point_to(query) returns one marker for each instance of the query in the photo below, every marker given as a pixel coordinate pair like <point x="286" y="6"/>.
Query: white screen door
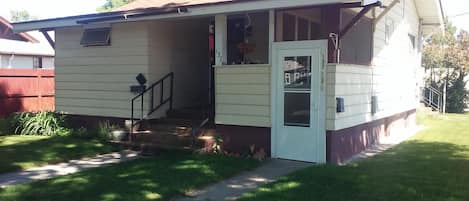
<point x="299" y="98"/>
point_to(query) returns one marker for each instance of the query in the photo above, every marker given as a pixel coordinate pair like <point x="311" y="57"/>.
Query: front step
<point x="170" y="140"/>
<point x="172" y="132"/>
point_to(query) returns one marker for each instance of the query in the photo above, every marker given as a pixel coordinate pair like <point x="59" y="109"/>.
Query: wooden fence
<point x="26" y="90"/>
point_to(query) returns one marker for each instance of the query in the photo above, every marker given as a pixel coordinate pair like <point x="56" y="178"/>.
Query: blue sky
<point x="60" y="8"/>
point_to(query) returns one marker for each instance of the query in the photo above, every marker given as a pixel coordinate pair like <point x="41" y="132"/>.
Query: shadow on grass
<point x="412" y="171"/>
<point x="157" y="178"/>
<point x="29" y="153"/>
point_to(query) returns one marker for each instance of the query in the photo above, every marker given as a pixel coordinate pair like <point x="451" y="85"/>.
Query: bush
<point x="101" y="132"/>
<point x="457" y="95"/>
<point x="40" y="123"/>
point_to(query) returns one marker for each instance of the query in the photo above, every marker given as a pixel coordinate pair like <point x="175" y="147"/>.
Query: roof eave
<point x="197" y="10"/>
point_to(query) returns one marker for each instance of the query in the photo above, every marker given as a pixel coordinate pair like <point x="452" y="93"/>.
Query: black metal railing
<point x="153" y="107"/>
<point x="433" y="98"/>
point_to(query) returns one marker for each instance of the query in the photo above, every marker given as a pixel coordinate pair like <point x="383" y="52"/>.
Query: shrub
<point x="4" y="126"/>
<point x="101" y="132"/>
<point x="40" y="123"/>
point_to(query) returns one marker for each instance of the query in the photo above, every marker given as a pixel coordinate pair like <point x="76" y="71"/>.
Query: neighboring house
<point x="22" y="50"/>
<point x="308" y="80"/>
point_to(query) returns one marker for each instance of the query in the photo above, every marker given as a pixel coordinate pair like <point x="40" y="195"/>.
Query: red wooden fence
<point x="26" y="90"/>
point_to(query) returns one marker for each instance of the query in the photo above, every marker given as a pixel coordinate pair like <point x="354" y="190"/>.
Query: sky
<point x="60" y="8"/>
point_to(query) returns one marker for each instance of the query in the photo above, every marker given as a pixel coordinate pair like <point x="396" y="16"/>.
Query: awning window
<point x="96" y="37"/>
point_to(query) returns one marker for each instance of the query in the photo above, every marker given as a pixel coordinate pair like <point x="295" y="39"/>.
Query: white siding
<point x="96" y="80"/>
<point x="243" y="95"/>
<point x="392" y="76"/>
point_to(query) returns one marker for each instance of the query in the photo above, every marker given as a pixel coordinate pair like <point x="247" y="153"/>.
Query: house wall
<point x="95" y="80"/>
<point x="392" y="77"/>
<point x="24" y="61"/>
<point x="242" y="95"/>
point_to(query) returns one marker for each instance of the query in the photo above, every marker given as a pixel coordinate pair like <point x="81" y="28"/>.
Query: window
<point x="412" y="41"/>
<point x="246" y="38"/>
<point x="356" y="46"/>
<point x="96" y="37"/>
<point x="298" y="25"/>
<point x="389" y="29"/>
<point x="37" y="62"/>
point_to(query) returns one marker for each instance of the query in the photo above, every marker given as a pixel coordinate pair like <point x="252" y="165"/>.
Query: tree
<point x="447" y="56"/>
<point x="112" y="4"/>
<point x="21" y="15"/>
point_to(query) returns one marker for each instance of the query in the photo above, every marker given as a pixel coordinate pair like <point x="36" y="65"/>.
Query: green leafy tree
<point x="447" y="56"/>
<point x="21" y="15"/>
<point x="112" y="4"/>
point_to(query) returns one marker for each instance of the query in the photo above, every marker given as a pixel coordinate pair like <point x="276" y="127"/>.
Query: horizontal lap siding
<point x="392" y="77"/>
<point x="95" y="80"/>
<point x="243" y="96"/>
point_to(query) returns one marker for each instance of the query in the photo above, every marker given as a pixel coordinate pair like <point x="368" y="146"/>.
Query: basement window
<point x="96" y="37"/>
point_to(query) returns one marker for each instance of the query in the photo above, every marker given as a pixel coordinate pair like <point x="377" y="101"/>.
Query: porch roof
<point x="140" y="10"/>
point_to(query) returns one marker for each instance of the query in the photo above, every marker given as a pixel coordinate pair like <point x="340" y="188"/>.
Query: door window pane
<point x="297" y="73"/>
<point x="296" y="109"/>
<point x="297" y="89"/>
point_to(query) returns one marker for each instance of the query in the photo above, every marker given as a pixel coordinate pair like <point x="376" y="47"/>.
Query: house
<point x="22" y="50"/>
<point x="307" y="80"/>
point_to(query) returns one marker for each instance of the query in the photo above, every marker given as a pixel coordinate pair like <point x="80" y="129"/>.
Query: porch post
<point x="271" y="34"/>
<point x="221" y="40"/>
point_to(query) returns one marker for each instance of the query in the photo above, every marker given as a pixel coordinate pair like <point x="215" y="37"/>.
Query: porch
<point x="233" y="83"/>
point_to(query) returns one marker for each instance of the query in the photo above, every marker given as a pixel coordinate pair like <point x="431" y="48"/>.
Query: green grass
<point x="158" y="178"/>
<point x="433" y="165"/>
<point x="19" y="152"/>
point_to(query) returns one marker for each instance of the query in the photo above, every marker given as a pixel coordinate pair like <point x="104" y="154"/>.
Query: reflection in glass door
<point x="297" y="91"/>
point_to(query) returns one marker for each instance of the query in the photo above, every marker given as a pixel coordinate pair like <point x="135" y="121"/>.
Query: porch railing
<point x="162" y="100"/>
<point x="432" y="97"/>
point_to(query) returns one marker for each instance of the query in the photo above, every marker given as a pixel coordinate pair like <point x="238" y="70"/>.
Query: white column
<point x="271" y="33"/>
<point x="221" y="40"/>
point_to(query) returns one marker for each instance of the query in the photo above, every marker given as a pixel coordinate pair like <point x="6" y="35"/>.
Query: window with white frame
<point x="37" y="62"/>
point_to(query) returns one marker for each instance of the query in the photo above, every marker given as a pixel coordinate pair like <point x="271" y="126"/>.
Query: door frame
<point x="320" y="94"/>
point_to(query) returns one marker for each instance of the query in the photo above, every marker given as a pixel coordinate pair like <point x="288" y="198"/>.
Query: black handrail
<point x="153" y="108"/>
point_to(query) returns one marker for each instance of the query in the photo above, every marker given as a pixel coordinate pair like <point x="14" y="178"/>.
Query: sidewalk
<point x="73" y="166"/>
<point x="233" y="188"/>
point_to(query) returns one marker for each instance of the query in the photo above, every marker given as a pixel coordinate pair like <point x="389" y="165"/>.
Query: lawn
<point x="157" y="178"/>
<point x="19" y="152"/>
<point x="433" y="165"/>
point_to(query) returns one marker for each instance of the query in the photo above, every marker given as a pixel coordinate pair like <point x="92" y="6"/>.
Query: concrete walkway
<point x="233" y="188"/>
<point x="70" y="167"/>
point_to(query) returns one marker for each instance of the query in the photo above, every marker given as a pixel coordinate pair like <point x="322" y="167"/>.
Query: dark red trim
<point x="343" y="144"/>
<point x="238" y="139"/>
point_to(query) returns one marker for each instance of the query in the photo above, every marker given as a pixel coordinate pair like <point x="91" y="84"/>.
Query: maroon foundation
<point x="343" y="144"/>
<point x="78" y="121"/>
<point x="238" y="139"/>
